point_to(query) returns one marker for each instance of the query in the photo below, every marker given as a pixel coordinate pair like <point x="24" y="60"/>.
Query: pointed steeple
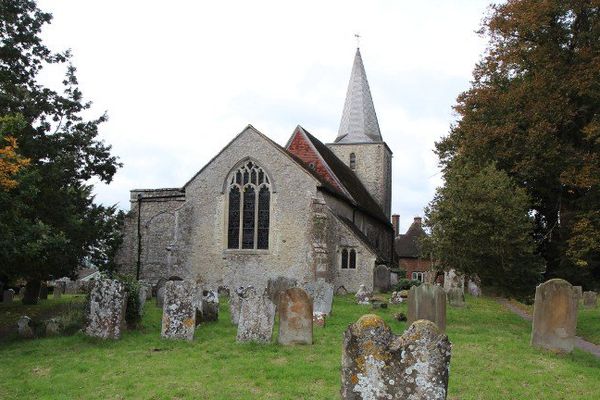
<point x="359" y="121"/>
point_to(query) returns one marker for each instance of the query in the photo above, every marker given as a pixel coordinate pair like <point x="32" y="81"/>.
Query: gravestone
<point x="554" y="316"/>
<point x="256" y="319"/>
<point x="106" y="309"/>
<point x="295" y="317"/>
<point x="381" y="278"/>
<point x="456" y="297"/>
<point x="428" y="302"/>
<point x="393" y="278"/>
<point x="474" y="288"/>
<point x="341" y="291"/>
<point x="363" y="295"/>
<point x="277" y="285"/>
<point x="147" y="289"/>
<point x="44" y="291"/>
<point x="210" y="306"/>
<point x="53" y="327"/>
<point x="578" y="293"/>
<point x="142" y="295"/>
<point x="376" y="364"/>
<point x="160" y="296"/>
<point x="8" y="296"/>
<point x="319" y="319"/>
<point x="59" y="290"/>
<point x="160" y="283"/>
<point x="452" y="279"/>
<point x="590" y="299"/>
<point x="396" y="298"/>
<point x="179" y="311"/>
<point x="322" y="295"/>
<point x="25" y="327"/>
<point x="235" y="302"/>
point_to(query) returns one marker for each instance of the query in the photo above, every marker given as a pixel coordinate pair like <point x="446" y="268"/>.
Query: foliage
<point x="479" y="224"/>
<point x="10" y="161"/>
<point x="534" y="109"/>
<point x="132" y="313"/>
<point x="406" y="284"/>
<point x="49" y="223"/>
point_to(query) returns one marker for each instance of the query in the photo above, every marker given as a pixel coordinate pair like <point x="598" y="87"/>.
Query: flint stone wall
<point x="379" y="365"/>
<point x="428" y="302"/>
<point x="256" y="320"/>
<point x="179" y="311"/>
<point x="106" y="309"/>
<point x="554" y="316"/>
<point x="295" y="317"/>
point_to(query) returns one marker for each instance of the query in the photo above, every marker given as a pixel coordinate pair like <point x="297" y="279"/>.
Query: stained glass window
<point x="249" y="203"/>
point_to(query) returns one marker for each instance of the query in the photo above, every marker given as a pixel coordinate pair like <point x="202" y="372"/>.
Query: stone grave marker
<point x="396" y="298"/>
<point x="322" y="295"/>
<point x="210" y="306"/>
<point x="363" y="296"/>
<point x="452" y="279"/>
<point x="25" y="327"/>
<point x="554" y="316"/>
<point x="376" y="364"/>
<point x="456" y="297"/>
<point x="8" y="296"/>
<point x="341" y="291"/>
<point x="106" y="310"/>
<point x="43" y="291"/>
<point x="295" y="317"/>
<point x="590" y="299"/>
<point x="179" y="311"/>
<point x="257" y="316"/>
<point x="474" y="288"/>
<point x="53" y="327"/>
<point x="428" y="302"/>
<point x="381" y="278"/>
<point x="235" y="301"/>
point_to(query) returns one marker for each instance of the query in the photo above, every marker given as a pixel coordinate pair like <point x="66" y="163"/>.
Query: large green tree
<point x="534" y="110"/>
<point x="479" y="224"/>
<point x="50" y="224"/>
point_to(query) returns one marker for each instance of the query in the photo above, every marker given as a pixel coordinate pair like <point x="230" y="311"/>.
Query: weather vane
<point x="357" y="36"/>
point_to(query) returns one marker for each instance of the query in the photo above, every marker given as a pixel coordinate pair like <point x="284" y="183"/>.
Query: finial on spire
<point x="357" y="36"/>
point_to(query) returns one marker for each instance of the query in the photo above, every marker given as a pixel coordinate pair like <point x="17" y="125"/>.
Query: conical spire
<point x="359" y="121"/>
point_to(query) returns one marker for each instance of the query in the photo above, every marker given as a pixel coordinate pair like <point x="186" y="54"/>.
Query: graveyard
<point x="491" y="358"/>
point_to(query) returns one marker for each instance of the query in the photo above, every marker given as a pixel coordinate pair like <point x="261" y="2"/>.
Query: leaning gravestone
<point x="381" y="278"/>
<point x="210" y="306"/>
<point x="456" y="297"/>
<point x="376" y="364"/>
<point x="322" y="295"/>
<point x="295" y="317"/>
<point x="256" y="320"/>
<point x="554" y="316"/>
<point x="235" y="302"/>
<point x="590" y="299"/>
<point x="106" y="309"/>
<point x="428" y="302"/>
<point x="179" y="312"/>
<point x="25" y="327"/>
<point x="7" y="296"/>
<point x="363" y="295"/>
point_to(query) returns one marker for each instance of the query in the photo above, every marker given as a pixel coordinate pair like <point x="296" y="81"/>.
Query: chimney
<point x="418" y="221"/>
<point x="396" y="224"/>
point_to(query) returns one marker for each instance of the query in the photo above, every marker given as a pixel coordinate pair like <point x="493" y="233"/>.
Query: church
<point x="258" y="211"/>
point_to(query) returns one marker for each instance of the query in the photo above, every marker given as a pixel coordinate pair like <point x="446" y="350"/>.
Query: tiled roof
<point x="407" y="245"/>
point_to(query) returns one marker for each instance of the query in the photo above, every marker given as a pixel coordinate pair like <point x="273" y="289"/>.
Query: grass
<point x="491" y="359"/>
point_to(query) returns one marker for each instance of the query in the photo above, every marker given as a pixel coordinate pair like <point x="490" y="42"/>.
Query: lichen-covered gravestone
<point x="376" y="364"/>
<point x="474" y="289"/>
<point x="590" y="299"/>
<point x="363" y="295"/>
<point x="456" y="297"/>
<point x="452" y="279"/>
<point x="257" y="316"/>
<point x="295" y="317"/>
<point x="428" y="302"/>
<point x="179" y="311"/>
<point x="210" y="306"/>
<point x="53" y="327"/>
<point x="322" y="295"/>
<point x="235" y="302"/>
<point x="381" y="278"/>
<point x="106" y="309"/>
<point x="554" y="316"/>
<point x="25" y="327"/>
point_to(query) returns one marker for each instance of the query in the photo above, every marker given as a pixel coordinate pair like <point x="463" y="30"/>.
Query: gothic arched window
<point x="352" y="161"/>
<point x="348" y="259"/>
<point x="249" y="191"/>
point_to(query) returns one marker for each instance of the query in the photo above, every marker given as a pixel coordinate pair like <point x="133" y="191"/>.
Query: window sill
<point x="261" y="252"/>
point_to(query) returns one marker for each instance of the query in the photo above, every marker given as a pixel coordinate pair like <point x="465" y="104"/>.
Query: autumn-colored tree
<point x="10" y="161"/>
<point x="534" y="110"/>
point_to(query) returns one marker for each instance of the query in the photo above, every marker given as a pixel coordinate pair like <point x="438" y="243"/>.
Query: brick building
<point x="407" y="250"/>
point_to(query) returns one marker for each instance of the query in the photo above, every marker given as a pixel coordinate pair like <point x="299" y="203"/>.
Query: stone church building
<point x="258" y="210"/>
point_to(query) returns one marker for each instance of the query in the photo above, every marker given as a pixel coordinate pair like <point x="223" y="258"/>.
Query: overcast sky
<point x="179" y="79"/>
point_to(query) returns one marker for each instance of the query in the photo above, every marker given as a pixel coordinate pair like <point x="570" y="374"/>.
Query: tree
<point x="10" y="161"/>
<point x="50" y="224"/>
<point x="534" y="110"/>
<point x="479" y="224"/>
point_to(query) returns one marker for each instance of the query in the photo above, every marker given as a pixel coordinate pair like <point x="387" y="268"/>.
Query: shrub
<point x="133" y="316"/>
<point x="406" y="284"/>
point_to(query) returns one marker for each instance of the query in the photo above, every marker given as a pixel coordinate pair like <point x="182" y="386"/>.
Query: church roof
<point x="407" y="245"/>
<point x="352" y="188"/>
<point x="359" y="121"/>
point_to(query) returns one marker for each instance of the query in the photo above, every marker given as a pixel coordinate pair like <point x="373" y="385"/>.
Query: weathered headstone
<point x="43" y="291"/>
<point x="393" y="278"/>
<point x="25" y="327"/>
<point x="554" y="316"/>
<point x="106" y="309"/>
<point x="160" y="296"/>
<point x="452" y="279"/>
<point x="319" y="319"/>
<point x="147" y="289"/>
<point x="381" y="278"/>
<point x="428" y="302"/>
<point x="396" y="298"/>
<point x="322" y="295"/>
<point x="142" y="295"/>
<point x="53" y="327"/>
<point x="277" y="285"/>
<point x="8" y="296"/>
<point x="474" y="288"/>
<point x="363" y="295"/>
<point x="578" y="293"/>
<point x="456" y="297"/>
<point x="256" y="319"/>
<point x="295" y="317"/>
<point x="179" y="312"/>
<point x="590" y="299"/>
<point x="210" y="306"/>
<point x="160" y="283"/>
<point x="376" y="364"/>
<point x="71" y="287"/>
<point x="235" y="302"/>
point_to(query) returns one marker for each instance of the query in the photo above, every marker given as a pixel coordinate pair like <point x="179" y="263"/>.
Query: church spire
<point x="359" y="121"/>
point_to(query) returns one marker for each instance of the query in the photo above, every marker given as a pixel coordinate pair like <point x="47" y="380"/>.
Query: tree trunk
<point x="32" y="292"/>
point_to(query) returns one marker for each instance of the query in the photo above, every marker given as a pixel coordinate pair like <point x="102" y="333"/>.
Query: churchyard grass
<point x="491" y="359"/>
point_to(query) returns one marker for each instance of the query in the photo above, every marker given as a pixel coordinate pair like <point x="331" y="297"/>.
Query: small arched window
<point x="352" y="161"/>
<point x="348" y="260"/>
<point x="249" y="191"/>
